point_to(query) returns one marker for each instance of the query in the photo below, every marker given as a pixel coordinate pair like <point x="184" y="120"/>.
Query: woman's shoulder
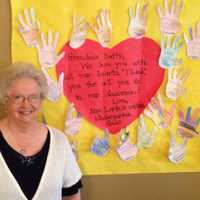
<point x="54" y="130"/>
<point x="57" y="134"/>
<point x="59" y="139"/>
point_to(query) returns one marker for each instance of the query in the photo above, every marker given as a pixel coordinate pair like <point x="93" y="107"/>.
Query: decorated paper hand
<point x="155" y="111"/>
<point x="174" y="88"/>
<point x="193" y="44"/>
<point x="79" y="32"/>
<point x="169" y="20"/>
<point x="55" y="88"/>
<point x="29" y="28"/>
<point x="137" y="24"/>
<point x="168" y="54"/>
<point x="188" y="124"/>
<point x="126" y="149"/>
<point x="103" y="28"/>
<point x="144" y="138"/>
<point x="72" y="123"/>
<point x="100" y="146"/>
<point x="176" y="151"/>
<point x="47" y="53"/>
<point x="168" y="115"/>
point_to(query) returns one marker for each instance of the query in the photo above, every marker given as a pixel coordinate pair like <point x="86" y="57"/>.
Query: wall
<point x="121" y="187"/>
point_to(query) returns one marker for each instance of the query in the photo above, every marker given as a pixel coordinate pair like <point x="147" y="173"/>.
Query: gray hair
<point x="20" y="70"/>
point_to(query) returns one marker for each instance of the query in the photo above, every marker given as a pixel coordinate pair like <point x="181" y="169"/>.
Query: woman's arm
<point x="76" y="196"/>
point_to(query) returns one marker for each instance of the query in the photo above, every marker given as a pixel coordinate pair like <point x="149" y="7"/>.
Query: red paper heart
<point x="111" y="87"/>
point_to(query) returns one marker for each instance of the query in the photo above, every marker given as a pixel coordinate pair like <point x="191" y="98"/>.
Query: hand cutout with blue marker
<point x="100" y="146"/>
<point x="169" y="52"/>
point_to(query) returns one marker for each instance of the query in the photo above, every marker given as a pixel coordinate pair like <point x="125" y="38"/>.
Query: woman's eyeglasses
<point x="18" y="99"/>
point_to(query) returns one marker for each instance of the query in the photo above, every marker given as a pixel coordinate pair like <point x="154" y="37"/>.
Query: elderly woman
<point x="36" y="160"/>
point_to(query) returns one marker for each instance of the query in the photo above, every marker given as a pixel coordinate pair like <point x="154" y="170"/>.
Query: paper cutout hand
<point x="169" y="20"/>
<point x="188" y="124"/>
<point x="137" y="23"/>
<point x="168" y="54"/>
<point x="103" y="28"/>
<point x="155" y="111"/>
<point x="176" y="151"/>
<point x="126" y="149"/>
<point x="168" y="115"/>
<point x="55" y="88"/>
<point x="174" y="88"/>
<point x="193" y="45"/>
<point x="29" y="28"/>
<point x="144" y="138"/>
<point x="47" y="53"/>
<point x="79" y="32"/>
<point x="100" y="146"/>
<point x="72" y="123"/>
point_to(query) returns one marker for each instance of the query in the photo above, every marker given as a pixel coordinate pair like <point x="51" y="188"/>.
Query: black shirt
<point x="29" y="169"/>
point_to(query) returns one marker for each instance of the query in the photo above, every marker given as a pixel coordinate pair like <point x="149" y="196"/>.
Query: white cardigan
<point x="61" y="170"/>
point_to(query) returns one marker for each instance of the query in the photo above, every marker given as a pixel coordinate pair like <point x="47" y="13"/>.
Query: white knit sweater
<point x="61" y="170"/>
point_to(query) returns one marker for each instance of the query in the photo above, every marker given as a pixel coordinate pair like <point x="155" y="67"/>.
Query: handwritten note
<point x="111" y="87"/>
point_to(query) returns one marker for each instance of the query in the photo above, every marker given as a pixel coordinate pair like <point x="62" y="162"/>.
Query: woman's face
<point x="24" y="100"/>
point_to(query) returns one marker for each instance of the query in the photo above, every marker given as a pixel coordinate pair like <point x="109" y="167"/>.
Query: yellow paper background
<point x="57" y="16"/>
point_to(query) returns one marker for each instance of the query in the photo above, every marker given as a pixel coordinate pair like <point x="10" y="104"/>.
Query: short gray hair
<point x="20" y="70"/>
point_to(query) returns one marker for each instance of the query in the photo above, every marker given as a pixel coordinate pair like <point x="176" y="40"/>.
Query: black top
<point x="29" y="169"/>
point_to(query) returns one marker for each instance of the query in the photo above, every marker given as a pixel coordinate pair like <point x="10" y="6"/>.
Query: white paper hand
<point x="154" y="111"/>
<point x="144" y="138"/>
<point x="29" y="28"/>
<point x="127" y="150"/>
<point x="47" y="53"/>
<point x="169" y="52"/>
<point x="176" y="151"/>
<point x="174" y="88"/>
<point x="160" y="116"/>
<point x="137" y="25"/>
<point x="72" y="123"/>
<point x="169" y="20"/>
<point x="79" y="32"/>
<point x="193" y="45"/>
<point x="55" y="88"/>
<point x="103" y="28"/>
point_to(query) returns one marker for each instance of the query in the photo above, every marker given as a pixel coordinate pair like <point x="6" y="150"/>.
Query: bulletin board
<point x="98" y="71"/>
